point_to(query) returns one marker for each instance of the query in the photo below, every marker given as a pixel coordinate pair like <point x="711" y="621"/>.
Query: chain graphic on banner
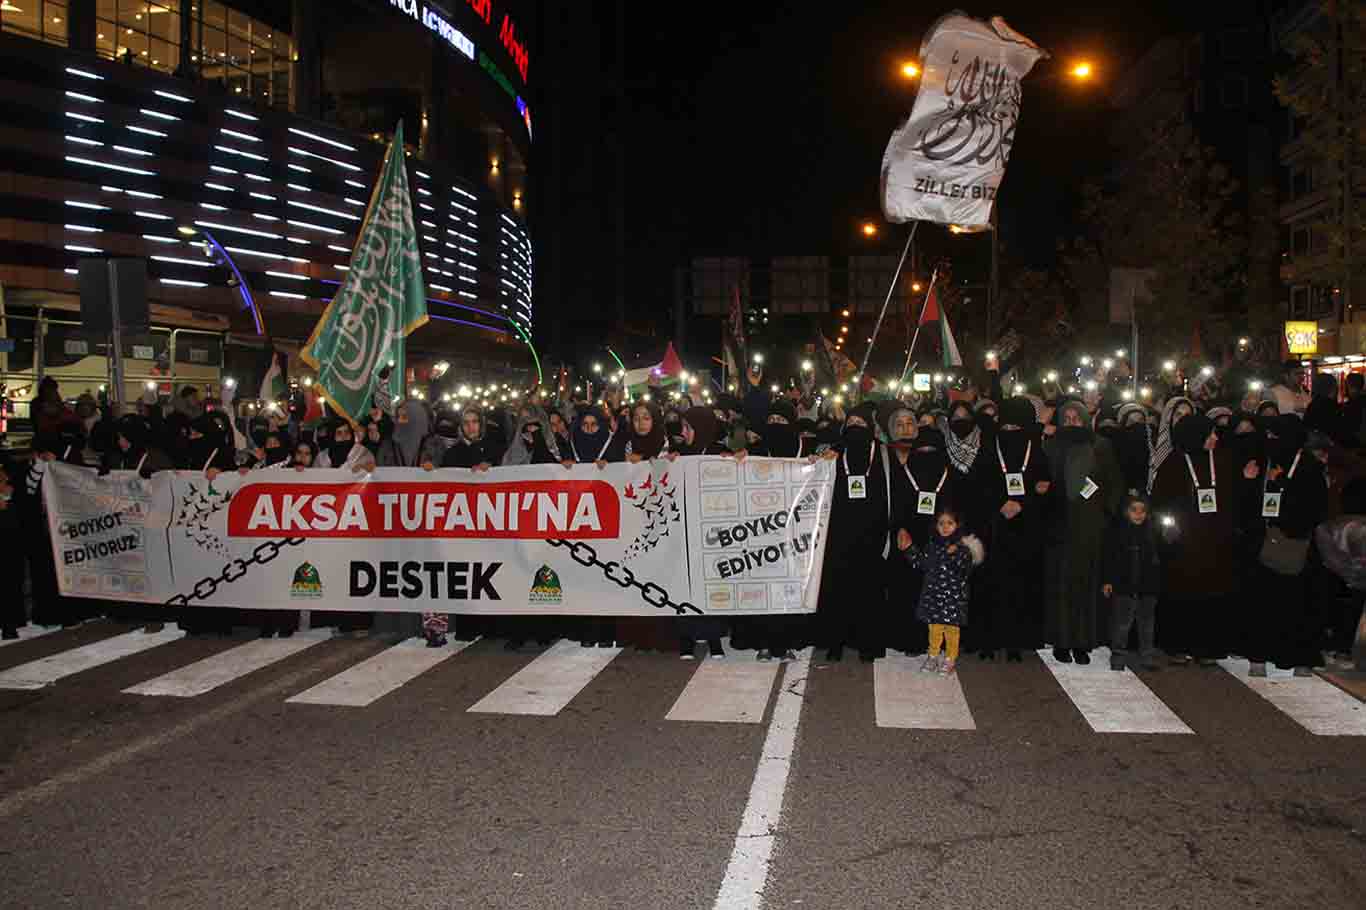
<point x="623" y="577"/>
<point x="206" y="586"/>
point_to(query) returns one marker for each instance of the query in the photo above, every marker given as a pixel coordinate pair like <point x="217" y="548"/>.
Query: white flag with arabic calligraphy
<point x="946" y="162"/>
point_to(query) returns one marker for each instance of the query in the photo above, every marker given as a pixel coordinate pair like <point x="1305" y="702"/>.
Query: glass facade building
<point x="245" y="212"/>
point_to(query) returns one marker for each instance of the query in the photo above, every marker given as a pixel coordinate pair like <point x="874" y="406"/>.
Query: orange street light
<point x="869" y="229"/>
<point x="1082" y="70"/>
<point x="915" y="287"/>
<point x="910" y="69"/>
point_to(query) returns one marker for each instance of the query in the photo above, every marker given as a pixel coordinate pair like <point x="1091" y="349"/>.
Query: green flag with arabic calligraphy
<point x="362" y="331"/>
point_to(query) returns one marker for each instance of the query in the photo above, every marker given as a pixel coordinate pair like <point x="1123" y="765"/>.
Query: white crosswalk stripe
<point x="1113" y="701"/>
<point x="734" y="690"/>
<point x="544" y="686"/>
<point x="28" y="633"/>
<point x="907" y="698"/>
<point x="372" y="679"/>
<point x="726" y="691"/>
<point x="46" y="671"/>
<point x="211" y="672"/>
<point x="1315" y="704"/>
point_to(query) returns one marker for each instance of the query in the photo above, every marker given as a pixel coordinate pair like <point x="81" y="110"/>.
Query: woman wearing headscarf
<point x="211" y="449"/>
<point x="343" y="449"/>
<point x="923" y="478"/>
<point x="645" y="437"/>
<point x="853" y="597"/>
<point x="413" y="443"/>
<point x="1176" y="408"/>
<point x="589" y="438"/>
<point x="1323" y="414"/>
<point x="645" y="441"/>
<point x="1130" y="441"/>
<point x="1011" y="487"/>
<point x="1197" y="489"/>
<point x="50" y="607"/>
<point x="1086" y="493"/>
<point x="698" y="433"/>
<point x="533" y="443"/>
<point x="962" y="438"/>
<point x="1267" y="407"/>
<point x="133" y="449"/>
<point x="475" y="447"/>
<point x="1293" y="493"/>
<point x="778" y="437"/>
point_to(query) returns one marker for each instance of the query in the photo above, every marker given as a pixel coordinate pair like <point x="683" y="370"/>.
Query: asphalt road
<point x="236" y="798"/>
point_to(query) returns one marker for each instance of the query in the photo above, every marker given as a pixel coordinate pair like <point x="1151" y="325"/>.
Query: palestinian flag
<point x="931" y="312"/>
<point x="952" y="358"/>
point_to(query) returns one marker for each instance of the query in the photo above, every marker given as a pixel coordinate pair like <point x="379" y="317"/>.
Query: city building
<point x="254" y="131"/>
<point x="1319" y="197"/>
<point x="1218" y="78"/>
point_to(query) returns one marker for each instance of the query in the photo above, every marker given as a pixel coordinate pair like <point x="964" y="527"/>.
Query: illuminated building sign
<point x="507" y="34"/>
<point x="1302" y="337"/>
<point x="438" y="25"/>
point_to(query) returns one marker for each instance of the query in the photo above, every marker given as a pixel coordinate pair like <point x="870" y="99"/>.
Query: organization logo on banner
<point x="307" y="582"/>
<point x="546" y="588"/>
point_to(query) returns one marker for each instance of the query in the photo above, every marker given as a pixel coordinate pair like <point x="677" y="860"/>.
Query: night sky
<point x="760" y="128"/>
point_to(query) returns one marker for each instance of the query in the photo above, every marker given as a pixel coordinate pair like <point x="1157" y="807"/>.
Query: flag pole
<point x="890" y="290"/>
<point x="923" y="307"/>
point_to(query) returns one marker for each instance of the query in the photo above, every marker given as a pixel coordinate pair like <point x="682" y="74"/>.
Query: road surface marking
<point x="27" y="633"/>
<point x="1315" y="704"/>
<point x="39" y="673"/>
<point x="907" y="698"/>
<point x="728" y="692"/>
<point x="747" y="871"/>
<point x="211" y="672"/>
<point x="371" y="680"/>
<point x="1112" y="701"/>
<point x="20" y="800"/>
<point x="544" y="686"/>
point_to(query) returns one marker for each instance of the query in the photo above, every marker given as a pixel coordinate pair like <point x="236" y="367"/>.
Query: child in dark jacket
<point x="947" y="560"/>
<point x="1132" y="577"/>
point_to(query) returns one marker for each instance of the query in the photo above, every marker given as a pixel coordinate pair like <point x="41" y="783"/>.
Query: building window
<point x="1233" y="43"/>
<point x="1301" y="241"/>
<point x="42" y="20"/>
<point x="139" y="33"/>
<point x="1301" y="181"/>
<point x="247" y="57"/>
<point x="1299" y="300"/>
<point x="1233" y="92"/>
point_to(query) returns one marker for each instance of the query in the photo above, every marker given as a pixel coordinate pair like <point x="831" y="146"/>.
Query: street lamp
<point x="915" y="287"/>
<point x="869" y="229"/>
<point x="1081" y="70"/>
<point x="910" y="70"/>
<point x="806" y="366"/>
<point x="213" y="249"/>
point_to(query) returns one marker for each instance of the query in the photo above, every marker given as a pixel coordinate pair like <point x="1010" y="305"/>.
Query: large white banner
<point x="945" y="163"/>
<point x="685" y="537"/>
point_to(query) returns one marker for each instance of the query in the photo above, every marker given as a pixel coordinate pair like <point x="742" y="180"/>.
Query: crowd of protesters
<point x="1177" y="531"/>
